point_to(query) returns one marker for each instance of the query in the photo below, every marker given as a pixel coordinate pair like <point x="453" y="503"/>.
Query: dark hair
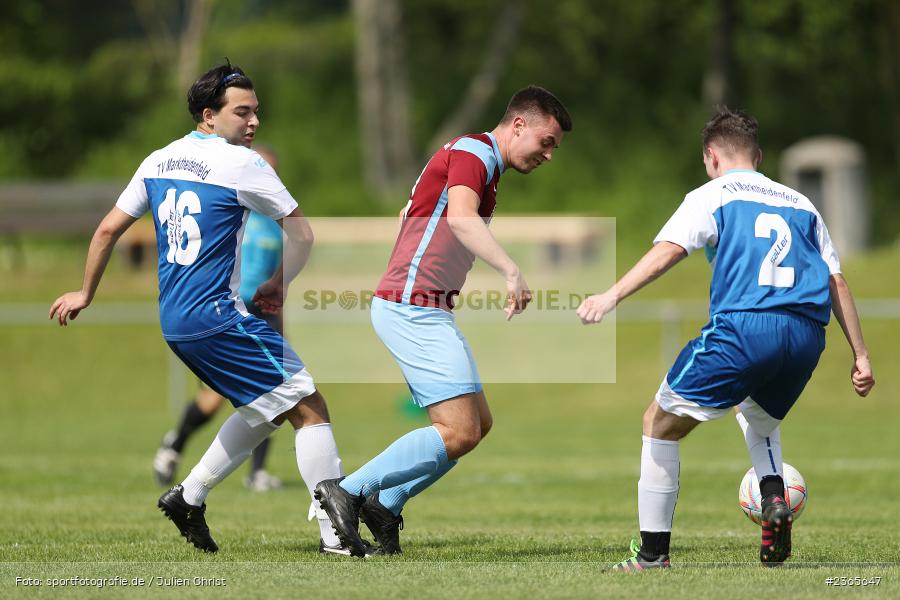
<point x="736" y="131"/>
<point x="209" y="90"/>
<point x="535" y="99"/>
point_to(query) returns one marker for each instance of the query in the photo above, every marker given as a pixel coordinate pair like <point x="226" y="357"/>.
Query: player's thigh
<point x="462" y="413"/>
<point x="484" y="413"/>
<point x="662" y="425"/>
<point x="208" y="400"/>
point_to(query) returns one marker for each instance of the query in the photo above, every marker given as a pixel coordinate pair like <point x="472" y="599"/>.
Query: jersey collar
<point x="199" y="135"/>
<point x="496" y="148"/>
<point x="730" y="171"/>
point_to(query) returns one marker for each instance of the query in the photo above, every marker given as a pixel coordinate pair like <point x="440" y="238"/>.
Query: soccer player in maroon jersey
<point x="444" y="229"/>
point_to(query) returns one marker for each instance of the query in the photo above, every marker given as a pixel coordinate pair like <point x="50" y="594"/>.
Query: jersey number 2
<point x="770" y="271"/>
<point x="180" y="224"/>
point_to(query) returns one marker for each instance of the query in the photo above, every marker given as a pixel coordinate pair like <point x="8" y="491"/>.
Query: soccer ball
<point x="795" y="493"/>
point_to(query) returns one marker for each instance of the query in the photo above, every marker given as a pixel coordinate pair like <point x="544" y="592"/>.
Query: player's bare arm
<point x="844" y="309"/>
<point x="270" y="295"/>
<point x="473" y="233"/>
<point x="108" y="232"/>
<point x="662" y="257"/>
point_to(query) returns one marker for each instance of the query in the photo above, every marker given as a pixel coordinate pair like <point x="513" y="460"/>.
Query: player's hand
<point x="593" y="308"/>
<point x="68" y="306"/>
<point x="517" y="295"/>
<point x="269" y="297"/>
<point x="861" y="376"/>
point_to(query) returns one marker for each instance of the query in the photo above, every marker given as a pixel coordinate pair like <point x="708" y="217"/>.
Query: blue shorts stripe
<point x="268" y="354"/>
<point x="696" y="352"/>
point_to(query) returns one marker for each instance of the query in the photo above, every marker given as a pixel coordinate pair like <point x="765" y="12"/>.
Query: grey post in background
<point x="830" y="171"/>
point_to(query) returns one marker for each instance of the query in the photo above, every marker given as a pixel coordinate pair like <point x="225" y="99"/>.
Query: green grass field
<point x="541" y="508"/>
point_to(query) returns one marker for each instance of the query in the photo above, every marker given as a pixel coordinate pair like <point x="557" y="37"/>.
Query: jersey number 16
<point x="176" y="216"/>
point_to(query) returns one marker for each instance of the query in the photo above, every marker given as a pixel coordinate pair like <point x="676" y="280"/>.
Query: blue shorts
<point x="766" y="356"/>
<point x="432" y="352"/>
<point x="250" y="364"/>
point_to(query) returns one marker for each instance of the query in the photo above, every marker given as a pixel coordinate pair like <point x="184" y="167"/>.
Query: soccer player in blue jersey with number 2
<point x="775" y="279"/>
<point x="200" y="190"/>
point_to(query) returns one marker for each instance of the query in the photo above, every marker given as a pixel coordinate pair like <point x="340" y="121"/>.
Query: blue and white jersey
<point x="767" y="244"/>
<point x="199" y="189"/>
<point x="260" y="253"/>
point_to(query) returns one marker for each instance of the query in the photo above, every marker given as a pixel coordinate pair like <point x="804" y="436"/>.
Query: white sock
<point x="765" y="452"/>
<point x="317" y="460"/>
<point x="658" y="486"/>
<point x="233" y="444"/>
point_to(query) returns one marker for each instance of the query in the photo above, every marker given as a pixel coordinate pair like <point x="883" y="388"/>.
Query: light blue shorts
<point x="432" y="352"/>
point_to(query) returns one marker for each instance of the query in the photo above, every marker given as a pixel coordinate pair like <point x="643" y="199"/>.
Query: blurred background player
<point x="445" y="226"/>
<point x="260" y="257"/>
<point x="776" y="277"/>
<point x="199" y="190"/>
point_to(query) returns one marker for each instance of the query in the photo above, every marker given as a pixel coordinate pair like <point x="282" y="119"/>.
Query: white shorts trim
<point x="671" y="402"/>
<point x="281" y="399"/>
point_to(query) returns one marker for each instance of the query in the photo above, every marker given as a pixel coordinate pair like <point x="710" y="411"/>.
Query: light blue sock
<point x="417" y="454"/>
<point x="394" y="498"/>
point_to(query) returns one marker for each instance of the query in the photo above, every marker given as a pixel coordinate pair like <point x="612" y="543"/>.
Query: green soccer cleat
<point x="637" y="562"/>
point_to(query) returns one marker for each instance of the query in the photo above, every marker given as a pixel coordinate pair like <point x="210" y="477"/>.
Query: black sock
<point x="655" y="543"/>
<point x="192" y="419"/>
<point x="771" y="485"/>
<point x="258" y="458"/>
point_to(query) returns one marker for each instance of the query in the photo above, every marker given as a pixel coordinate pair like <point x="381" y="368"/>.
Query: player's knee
<point x="462" y="441"/>
<point x="311" y="410"/>
<point x="486" y="423"/>
<point x="648" y="420"/>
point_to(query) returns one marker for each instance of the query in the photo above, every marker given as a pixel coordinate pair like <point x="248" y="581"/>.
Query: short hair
<point x="209" y="90"/>
<point x="735" y="131"/>
<point x="536" y="100"/>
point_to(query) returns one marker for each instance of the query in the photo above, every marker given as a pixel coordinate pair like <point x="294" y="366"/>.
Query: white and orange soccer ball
<point x="795" y="493"/>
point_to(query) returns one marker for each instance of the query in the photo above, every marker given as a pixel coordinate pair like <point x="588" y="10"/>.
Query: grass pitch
<point x="541" y="508"/>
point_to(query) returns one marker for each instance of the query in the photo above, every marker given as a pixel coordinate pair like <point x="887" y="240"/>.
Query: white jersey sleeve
<point x="133" y="199"/>
<point x="261" y="190"/>
<point x="692" y="226"/>
<point x="826" y="248"/>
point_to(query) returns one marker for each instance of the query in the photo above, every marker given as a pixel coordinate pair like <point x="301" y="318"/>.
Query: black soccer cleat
<point x="325" y="549"/>
<point x="383" y="524"/>
<point x="343" y="510"/>
<point x="777" y="519"/>
<point x="188" y="519"/>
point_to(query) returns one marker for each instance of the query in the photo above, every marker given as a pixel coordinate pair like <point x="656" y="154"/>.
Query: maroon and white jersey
<point x="428" y="266"/>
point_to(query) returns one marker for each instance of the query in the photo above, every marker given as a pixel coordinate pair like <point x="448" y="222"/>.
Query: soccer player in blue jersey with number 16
<point x="200" y="190"/>
<point x="775" y="279"/>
